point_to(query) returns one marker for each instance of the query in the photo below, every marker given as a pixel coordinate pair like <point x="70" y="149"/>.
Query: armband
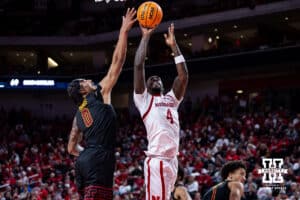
<point x="79" y="148"/>
<point x="179" y="59"/>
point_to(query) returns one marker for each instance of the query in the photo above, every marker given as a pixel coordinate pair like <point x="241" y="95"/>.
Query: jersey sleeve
<point x="140" y="100"/>
<point x="98" y="93"/>
<point x="177" y="102"/>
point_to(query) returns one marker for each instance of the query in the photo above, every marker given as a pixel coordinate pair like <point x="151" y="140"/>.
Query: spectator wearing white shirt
<point x="192" y="186"/>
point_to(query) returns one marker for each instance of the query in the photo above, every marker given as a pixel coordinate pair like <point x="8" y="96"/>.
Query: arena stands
<point x="244" y="54"/>
<point x="35" y="164"/>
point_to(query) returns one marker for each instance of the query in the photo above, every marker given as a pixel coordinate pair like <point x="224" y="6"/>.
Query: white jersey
<point x="160" y="117"/>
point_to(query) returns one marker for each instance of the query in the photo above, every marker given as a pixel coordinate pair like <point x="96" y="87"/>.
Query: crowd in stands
<point x="34" y="163"/>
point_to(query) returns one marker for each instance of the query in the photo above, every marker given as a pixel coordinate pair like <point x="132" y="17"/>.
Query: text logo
<point x="272" y="170"/>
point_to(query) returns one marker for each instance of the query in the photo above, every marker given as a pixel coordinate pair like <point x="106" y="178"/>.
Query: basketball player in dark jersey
<point x="96" y="120"/>
<point x="232" y="188"/>
<point x="180" y="192"/>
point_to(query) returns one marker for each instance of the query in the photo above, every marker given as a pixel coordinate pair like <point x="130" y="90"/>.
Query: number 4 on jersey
<point x="169" y="116"/>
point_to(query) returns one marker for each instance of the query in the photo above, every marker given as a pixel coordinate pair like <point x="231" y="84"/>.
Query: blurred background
<point x="242" y="100"/>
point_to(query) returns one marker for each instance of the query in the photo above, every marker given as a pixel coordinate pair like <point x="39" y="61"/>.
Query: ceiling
<point x="73" y="18"/>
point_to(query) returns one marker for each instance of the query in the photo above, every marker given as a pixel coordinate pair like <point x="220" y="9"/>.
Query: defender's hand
<point x="128" y="19"/>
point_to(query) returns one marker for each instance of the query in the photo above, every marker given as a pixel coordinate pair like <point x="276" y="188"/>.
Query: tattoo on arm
<point x="74" y="138"/>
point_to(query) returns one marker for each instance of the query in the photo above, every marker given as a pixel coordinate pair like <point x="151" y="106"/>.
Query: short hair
<point x="180" y="173"/>
<point x="74" y="91"/>
<point x="231" y="167"/>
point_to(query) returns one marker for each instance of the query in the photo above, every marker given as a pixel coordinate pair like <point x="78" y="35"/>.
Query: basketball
<point x="149" y="14"/>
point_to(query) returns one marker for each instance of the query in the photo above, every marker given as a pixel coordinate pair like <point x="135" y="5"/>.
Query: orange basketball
<point x="149" y="14"/>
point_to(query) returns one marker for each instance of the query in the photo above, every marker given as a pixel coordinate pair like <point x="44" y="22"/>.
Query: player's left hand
<point x="170" y="37"/>
<point x="128" y="19"/>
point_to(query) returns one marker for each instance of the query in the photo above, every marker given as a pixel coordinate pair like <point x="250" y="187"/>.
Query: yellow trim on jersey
<point x="83" y="104"/>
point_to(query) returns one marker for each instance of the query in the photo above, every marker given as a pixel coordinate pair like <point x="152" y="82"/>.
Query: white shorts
<point x="160" y="176"/>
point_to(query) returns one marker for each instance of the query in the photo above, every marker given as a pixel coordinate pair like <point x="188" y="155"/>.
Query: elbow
<point x="184" y="78"/>
<point x="119" y="58"/>
<point x="119" y="65"/>
<point x="70" y="150"/>
<point x="119" y="61"/>
<point x="186" y="74"/>
<point x="137" y="66"/>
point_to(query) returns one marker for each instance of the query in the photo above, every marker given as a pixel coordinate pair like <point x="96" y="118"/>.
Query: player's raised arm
<point x="139" y="61"/>
<point x="180" y="82"/>
<point x="119" y="56"/>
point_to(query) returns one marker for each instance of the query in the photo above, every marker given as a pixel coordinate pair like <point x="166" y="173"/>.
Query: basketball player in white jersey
<point x="160" y="117"/>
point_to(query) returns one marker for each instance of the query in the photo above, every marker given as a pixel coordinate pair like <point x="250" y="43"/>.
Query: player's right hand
<point x="146" y="32"/>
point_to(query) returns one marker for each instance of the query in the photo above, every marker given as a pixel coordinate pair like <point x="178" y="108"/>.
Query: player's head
<point x="155" y="85"/>
<point x="234" y="171"/>
<point x="79" y="88"/>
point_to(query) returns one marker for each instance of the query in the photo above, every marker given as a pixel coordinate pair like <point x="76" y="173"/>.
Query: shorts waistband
<point x="161" y="157"/>
<point x="99" y="146"/>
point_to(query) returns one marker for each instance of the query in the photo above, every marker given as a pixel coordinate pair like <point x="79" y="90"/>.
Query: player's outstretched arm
<point x="75" y="137"/>
<point x="181" y="81"/>
<point x="139" y="61"/>
<point x="119" y="56"/>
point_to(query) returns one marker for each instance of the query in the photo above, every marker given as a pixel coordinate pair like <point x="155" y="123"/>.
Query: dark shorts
<point x="97" y="193"/>
<point x="94" y="170"/>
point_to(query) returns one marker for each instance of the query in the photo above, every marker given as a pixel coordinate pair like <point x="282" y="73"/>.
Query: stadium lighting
<point x="14" y="82"/>
<point x="52" y="63"/>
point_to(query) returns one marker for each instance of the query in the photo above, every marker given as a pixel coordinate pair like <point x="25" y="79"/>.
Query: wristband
<point x="179" y="59"/>
<point x="79" y="148"/>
